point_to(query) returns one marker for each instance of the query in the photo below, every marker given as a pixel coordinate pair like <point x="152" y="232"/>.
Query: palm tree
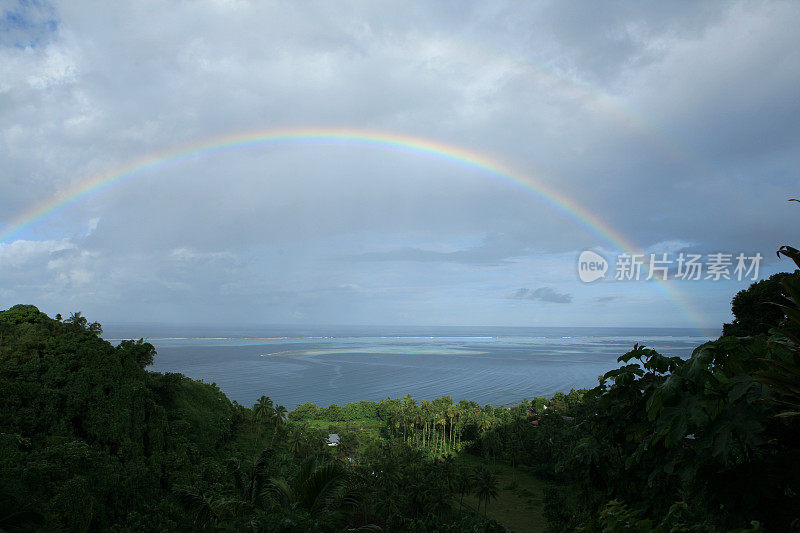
<point x="426" y="408"/>
<point x="455" y="417"/>
<point x="264" y="410"/>
<point x="463" y="484"/>
<point x="485" y="421"/>
<point x="204" y="510"/>
<point x="516" y="452"/>
<point x="297" y="441"/>
<point x="448" y="471"/>
<point x="485" y="486"/>
<point x="441" y="421"/>
<point x="409" y="414"/>
<point x="491" y="443"/>
<point x="317" y="494"/>
<point x="207" y="511"/>
<point x="279" y="414"/>
<point x="77" y="319"/>
<point x="250" y="483"/>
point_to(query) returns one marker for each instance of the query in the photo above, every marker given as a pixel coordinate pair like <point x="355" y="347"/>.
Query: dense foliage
<point x="90" y="440"/>
<point x="709" y="443"/>
<point x="754" y="308"/>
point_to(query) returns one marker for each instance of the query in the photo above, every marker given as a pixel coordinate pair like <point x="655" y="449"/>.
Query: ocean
<point x="325" y="365"/>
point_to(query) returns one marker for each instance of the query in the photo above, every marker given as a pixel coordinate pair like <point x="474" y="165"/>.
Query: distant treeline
<point x="409" y="407"/>
<point x="441" y="425"/>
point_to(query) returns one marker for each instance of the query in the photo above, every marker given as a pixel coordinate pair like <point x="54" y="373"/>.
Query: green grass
<point x="519" y="505"/>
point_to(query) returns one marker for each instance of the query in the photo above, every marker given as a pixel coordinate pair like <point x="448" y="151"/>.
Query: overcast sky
<point x="675" y="123"/>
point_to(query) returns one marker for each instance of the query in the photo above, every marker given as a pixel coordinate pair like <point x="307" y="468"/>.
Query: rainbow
<point x="356" y="137"/>
<point x="572" y="87"/>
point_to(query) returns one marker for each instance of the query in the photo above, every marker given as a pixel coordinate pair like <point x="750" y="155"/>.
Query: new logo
<point x="591" y="266"/>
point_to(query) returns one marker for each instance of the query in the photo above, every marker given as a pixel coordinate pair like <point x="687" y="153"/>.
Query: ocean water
<point x="328" y="365"/>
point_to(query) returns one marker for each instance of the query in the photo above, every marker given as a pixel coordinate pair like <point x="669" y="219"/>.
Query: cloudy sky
<point x="674" y="124"/>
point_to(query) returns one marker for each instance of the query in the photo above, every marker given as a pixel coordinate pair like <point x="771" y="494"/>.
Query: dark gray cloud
<point x="476" y="255"/>
<point x="543" y="294"/>
<point x="493" y="250"/>
<point x="606" y="299"/>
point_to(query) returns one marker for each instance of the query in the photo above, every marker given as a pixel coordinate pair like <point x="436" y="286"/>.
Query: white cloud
<point x="70" y="261"/>
<point x="75" y="277"/>
<point x="91" y="225"/>
<point x="22" y="253"/>
<point x="669" y="247"/>
<point x="187" y="254"/>
<point x="177" y="286"/>
<point x="56" y="66"/>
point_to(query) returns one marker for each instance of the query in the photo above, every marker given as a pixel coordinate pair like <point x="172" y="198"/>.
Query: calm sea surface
<point x="338" y="365"/>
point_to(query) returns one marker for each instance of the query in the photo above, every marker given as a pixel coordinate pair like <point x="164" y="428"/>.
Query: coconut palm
<point x="264" y="410"/>
<point x="485" y="421"/>
<point x="448" y="471"/>
<point x="463" y="484"/>
<point x="317" y="494"/>
<point x="251" y="481"/>
<point x="441" y="421"/>
<point x="426" y="410"/>
<point x="207" y="511"/>
<point x="279" y="415"/>
<point x="409" y="414"/>
<point x="77" y="319"/>
<point x="485" y="486"/>
<point x="203" y="510"/>
<point x="297" y="441"/>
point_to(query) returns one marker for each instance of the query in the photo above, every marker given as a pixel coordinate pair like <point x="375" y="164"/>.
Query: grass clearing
<point x="520" y="502"/>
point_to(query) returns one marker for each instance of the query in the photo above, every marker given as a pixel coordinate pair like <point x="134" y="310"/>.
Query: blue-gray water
<point x="328" y="365"/>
